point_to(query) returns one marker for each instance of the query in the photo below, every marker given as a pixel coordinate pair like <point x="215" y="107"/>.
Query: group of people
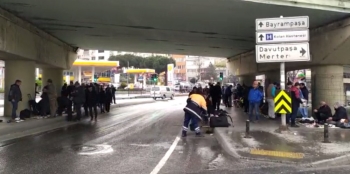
<point x="73" y="97"/>
<point x="88" y="96"/>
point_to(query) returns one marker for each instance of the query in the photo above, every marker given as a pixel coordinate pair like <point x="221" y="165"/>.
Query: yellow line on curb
<point x="277" y="154"/>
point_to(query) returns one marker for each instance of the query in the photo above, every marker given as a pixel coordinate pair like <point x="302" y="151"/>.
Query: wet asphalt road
<point x="129" y="140"/>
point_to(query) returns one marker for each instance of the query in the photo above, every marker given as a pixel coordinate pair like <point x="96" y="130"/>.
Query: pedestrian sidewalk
<point x="298" y="145"/>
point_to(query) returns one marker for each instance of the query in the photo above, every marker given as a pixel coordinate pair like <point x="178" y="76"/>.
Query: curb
<point x="225" y="144"/>
<point x="331" y="162"/>
<point x="229" y="148"/>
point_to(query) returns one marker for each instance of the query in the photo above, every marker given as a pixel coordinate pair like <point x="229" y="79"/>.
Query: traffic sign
<point x="292" y="52"/>
<point x="285" y="23"/>
<point x="283" y="103"/>
<point x="263" y="37"/>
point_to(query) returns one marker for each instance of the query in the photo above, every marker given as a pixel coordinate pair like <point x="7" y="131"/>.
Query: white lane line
<point x="166" y="156"/>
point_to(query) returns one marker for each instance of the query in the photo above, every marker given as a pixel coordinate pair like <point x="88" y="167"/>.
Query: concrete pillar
<point x="144" y="81"/>
<point x="79" y="74"/>
<point x="19" y="70"/>
<point x="56" y="75"/>
<point x="246" y="79"/>
<point x="136" y="77"/>
<point x="273" y="76"/>
<point x="327" y="85"/>
<point x="93" y="74"/>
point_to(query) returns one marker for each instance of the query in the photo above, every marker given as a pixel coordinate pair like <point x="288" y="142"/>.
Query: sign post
<point x="282" y="40"/>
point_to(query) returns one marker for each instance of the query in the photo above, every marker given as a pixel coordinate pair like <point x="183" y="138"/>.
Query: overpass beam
<point x="19" y="70"/>
<point x="56" y="75"/>
<point x="327" y="84"/>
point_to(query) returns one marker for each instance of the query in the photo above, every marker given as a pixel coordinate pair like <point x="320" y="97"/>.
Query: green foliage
<point x="209" y="73"/>
<point x="123" y="85"/>
<point x="2" y="90"/>
<point x="159" y="63"/>
<point x="193" y="80"/>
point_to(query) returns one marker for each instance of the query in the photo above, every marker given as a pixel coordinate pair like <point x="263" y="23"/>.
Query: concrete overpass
<point x="47" y="34"/>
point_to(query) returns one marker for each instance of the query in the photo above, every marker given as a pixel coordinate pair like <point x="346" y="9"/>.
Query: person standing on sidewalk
<point x="113" y="93"/>
<point x="270" y="95"/>
<point x="15" y="96"/>
<point x="91" y="102"/>
<point x="305" y="93"/>
<point x="52" y="93"/>
<point x="296" y="101"/>
<point x="254" y="97"/>
<point x="78" y="99"/>
<point x="108" y="99"/>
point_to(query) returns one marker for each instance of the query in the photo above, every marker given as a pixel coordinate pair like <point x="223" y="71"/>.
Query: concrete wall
<point x="22" y="40"/>
<point x="329" y="45"/>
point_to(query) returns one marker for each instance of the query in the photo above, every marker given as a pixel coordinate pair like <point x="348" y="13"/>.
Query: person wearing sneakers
<point x="15" y="96"/>
<point x="196" y="104"/>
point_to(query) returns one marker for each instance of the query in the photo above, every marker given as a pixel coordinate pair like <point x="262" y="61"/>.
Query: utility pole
<point x="127" y="78"/>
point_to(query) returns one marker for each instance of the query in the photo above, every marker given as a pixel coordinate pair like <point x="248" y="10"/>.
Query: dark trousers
<point x="108" y="106"/>
<point x="194" y="122"/>
<point x="320" y="117"/>
<point x="14" y="109"/>
<point x="291" y="117"/>
<point x="216" y="103"/>
<point x="85" y="110"/>
<point x="93" y="108"/>
<point x="246" y="105"/>
<point x="102" y="107"/>
<point x="69" y="110"/>
<point x="113" y="97"/>
<point x="77" y="107"/>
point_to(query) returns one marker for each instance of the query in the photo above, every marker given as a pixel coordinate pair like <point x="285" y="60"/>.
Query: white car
<point x="162" y="92"/>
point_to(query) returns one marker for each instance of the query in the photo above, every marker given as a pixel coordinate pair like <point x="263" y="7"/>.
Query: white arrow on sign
<point x="293" y="52"/>
<point x="282" y="36"/>
<point x="286" y="23"/>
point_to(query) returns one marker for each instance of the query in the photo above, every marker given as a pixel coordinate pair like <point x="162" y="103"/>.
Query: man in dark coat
<point x="108" y="98"/>
<point x="91" y="102"/>
<point x="78" y="99"/>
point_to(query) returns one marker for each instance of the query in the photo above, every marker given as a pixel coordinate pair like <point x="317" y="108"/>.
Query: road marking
<point x="166" y="156"/>
<point x="277" y="154"/>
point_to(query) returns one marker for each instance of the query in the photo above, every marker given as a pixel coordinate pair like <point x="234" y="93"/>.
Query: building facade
<point x="180" y="68"/>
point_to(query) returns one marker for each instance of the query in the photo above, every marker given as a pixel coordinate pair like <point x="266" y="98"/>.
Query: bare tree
<point x="199" y="64"/>
<point x="291" y="75"/>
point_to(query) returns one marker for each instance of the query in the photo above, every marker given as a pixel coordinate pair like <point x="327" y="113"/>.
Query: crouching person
<point x="339" y="115"/>
<point x="195" y="106"/>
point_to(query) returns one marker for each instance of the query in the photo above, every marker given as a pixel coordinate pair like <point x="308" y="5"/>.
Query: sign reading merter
<point x="282" y="52"/>
<point x="286" y="23"/>
<point x="283" y="39"/>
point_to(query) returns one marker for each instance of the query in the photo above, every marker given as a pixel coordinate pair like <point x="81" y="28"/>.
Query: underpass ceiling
<point x="219" y="28"/>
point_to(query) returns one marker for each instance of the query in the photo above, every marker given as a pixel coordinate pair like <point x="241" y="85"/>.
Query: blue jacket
<point x="255" y="95"/>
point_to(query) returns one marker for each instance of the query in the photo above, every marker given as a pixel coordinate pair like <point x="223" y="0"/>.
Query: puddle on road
<point x="82" y="149"/>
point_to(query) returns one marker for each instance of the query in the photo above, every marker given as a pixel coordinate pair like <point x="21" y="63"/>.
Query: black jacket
<point x="91" y="98"/>
<point x="101" y="96"/>
<point x="79" y="95"/>
<point x="340" y="113"/>
<point x="305" y="92"/>
<point x="325" y="110"/>
<point x="215" y="92"/>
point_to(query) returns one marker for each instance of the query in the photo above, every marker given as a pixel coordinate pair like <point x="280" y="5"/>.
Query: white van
<point x="162" y="92"/>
